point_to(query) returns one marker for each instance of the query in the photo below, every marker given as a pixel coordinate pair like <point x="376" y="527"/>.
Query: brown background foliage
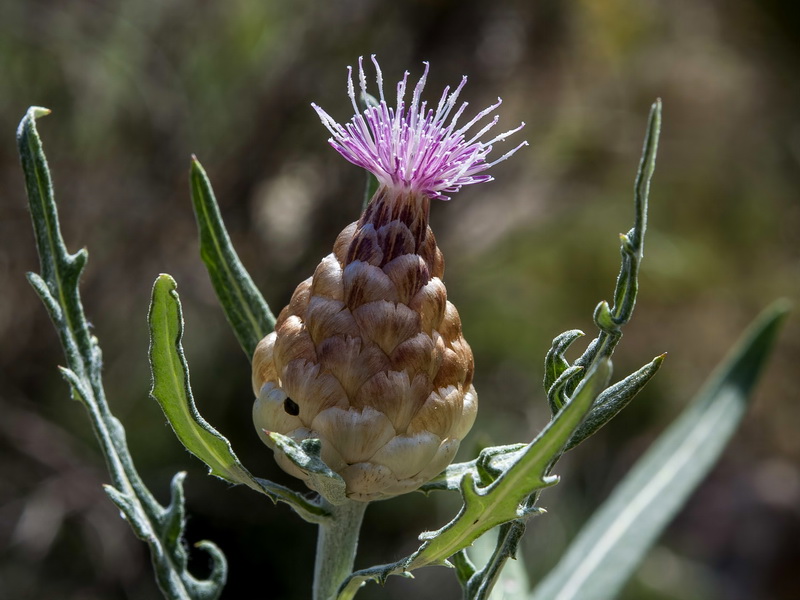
<point x="136" y="87"/>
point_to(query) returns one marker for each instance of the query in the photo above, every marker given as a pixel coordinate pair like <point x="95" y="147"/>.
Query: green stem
<point x="337" y="541"/>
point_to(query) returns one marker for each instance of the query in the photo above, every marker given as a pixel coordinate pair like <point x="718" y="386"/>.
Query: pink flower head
<point x="413" y="147"/>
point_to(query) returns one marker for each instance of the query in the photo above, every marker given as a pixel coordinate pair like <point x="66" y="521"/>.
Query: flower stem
<point x="337" y="541"/>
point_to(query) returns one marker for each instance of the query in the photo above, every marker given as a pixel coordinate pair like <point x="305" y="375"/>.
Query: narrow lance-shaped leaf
<point x="161" y="528"/>
<point x="171" y="389"/>
<point x="60" y="270"/>
<point x="244" y="306"/>
<point x="613" y="399"/>
<point x="608" y="549"/>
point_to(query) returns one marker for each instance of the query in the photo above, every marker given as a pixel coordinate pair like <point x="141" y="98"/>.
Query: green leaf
<point x="614" y="399"/>
<point x="167" y="548"/>
<point x="608" y="549"/>
<point x="170" y="386"/>
<point x="611" y="319"/>
<point x="557" y="394"/>
<point x="555" y="364"/>
<point x="562" y="379"/>
<point x="171" y="389"/>
<point x="503" y="500"/>
<point x="306" y="455"/>
<point x="244" y="306"/>
<point x="162" y="529"/>
<point x="485" y="469"/>
<point x="60" y="270"/>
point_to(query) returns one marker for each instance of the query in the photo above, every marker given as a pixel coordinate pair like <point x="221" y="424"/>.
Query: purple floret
<point x="413" y="147"/>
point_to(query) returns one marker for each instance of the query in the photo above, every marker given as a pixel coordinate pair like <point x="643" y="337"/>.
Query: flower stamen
<point x="413" y="147"/>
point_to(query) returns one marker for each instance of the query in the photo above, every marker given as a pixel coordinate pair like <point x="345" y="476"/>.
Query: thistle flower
<point x="369" y="356"/>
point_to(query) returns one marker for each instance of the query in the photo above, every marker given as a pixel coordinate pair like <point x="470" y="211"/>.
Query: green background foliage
<point x="137" y="87"/>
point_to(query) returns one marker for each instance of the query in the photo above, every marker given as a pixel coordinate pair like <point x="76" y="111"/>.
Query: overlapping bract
<point x="369" y="357"/>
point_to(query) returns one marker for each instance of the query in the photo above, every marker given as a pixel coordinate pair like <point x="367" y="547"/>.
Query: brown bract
<point x="369" y="356"/>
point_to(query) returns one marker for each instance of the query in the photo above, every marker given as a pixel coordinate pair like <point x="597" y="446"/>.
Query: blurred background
<point x="137" y="87"/>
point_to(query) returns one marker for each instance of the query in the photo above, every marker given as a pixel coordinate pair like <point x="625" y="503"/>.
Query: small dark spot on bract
<point x="290" y="406"/>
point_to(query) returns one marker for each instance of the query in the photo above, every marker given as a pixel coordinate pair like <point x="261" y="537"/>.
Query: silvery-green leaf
<point x="306" y="455"/>
<point x="244" y="306"/>
<point x="614" y="399"/>
<point x="555" y="364"/>
<point x="172" y="390"/>
<point x="486" y="468"/>
<point x="161" y="528"/>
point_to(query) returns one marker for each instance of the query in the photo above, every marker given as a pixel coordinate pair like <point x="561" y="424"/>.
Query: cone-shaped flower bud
<point x="369" y="356"/>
